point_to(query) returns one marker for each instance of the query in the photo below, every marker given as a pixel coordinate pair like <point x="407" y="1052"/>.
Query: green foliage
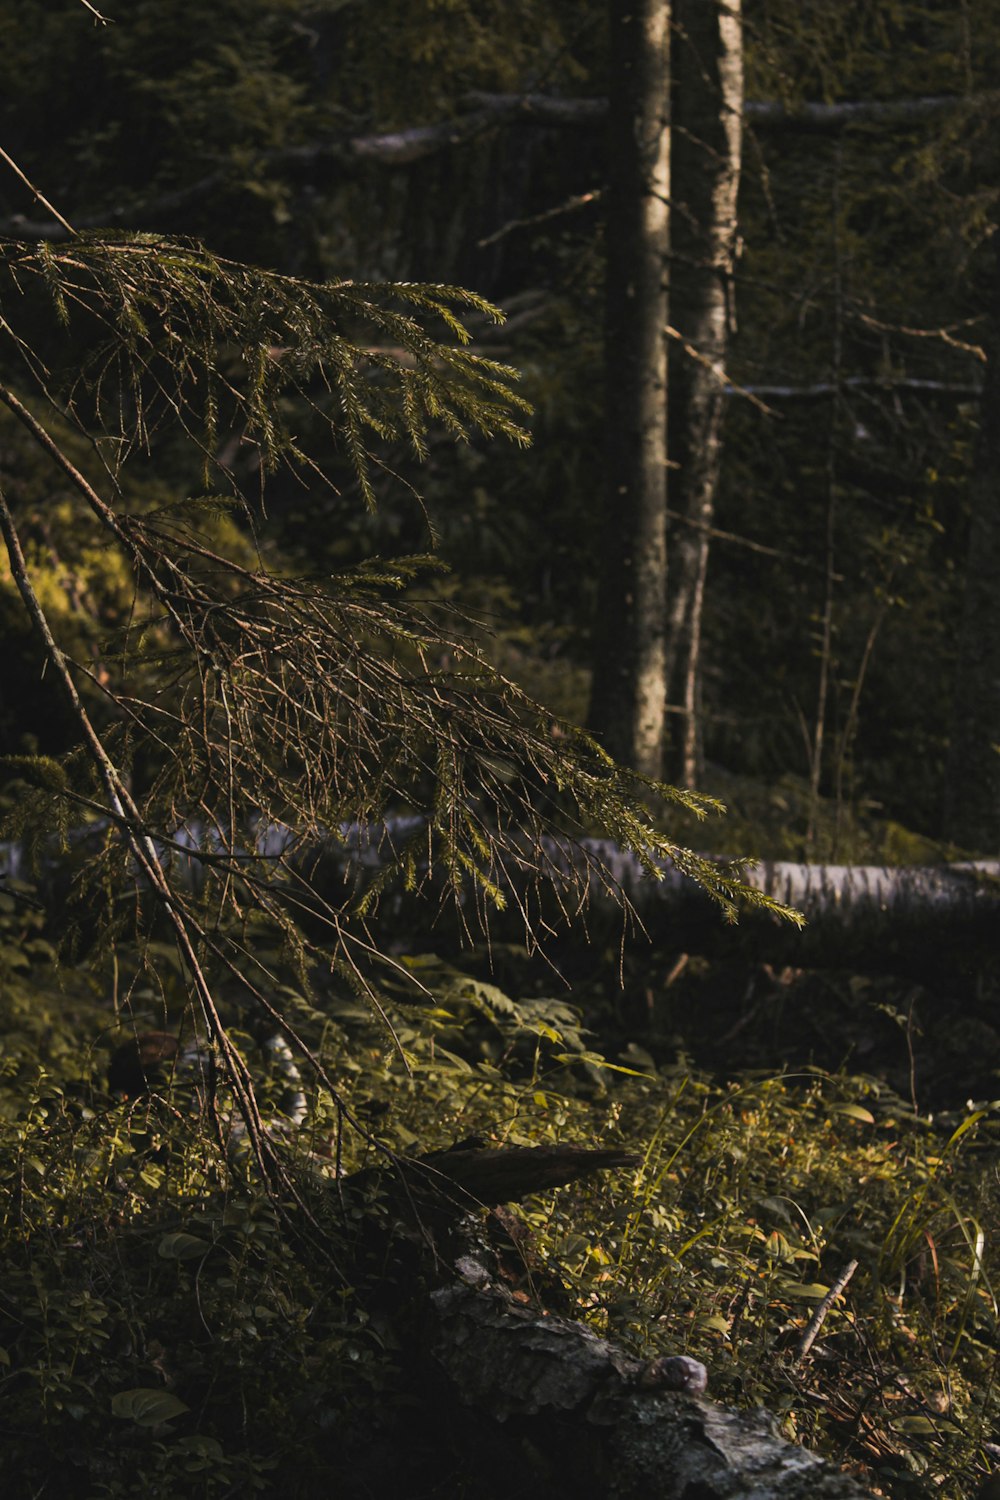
<point x="182" y="327"/>
<point x="194" y="92"/>
<point x="165" y="1331"/>
<point x="753" y="1199"/>
<point x="773" y="816"/>
<point x="228" y="100"/>
<point x="865" y="258"/>
<point x="240" y="697"/>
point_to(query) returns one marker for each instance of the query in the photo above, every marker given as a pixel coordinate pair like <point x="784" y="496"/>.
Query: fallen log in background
<point x="908" y="919"/>
<point x="881" y="917"/>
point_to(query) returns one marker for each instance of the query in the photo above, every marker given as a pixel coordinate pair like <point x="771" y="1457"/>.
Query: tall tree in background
<point x="628" y="707"/>
<point x="306" y="137"/>
<point x="706" y="159"/>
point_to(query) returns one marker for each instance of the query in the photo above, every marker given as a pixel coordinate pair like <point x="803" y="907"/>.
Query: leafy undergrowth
<point x="753" y="1202"/>
<point x="164" y="1332"/>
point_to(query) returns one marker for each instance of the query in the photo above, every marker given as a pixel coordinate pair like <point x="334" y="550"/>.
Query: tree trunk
<point x="707" y="159"/>
<point x="905" y="919"/>
<point x="628" y="699"/>
<point x="594" y="1423"/>
<point x="972" y="809"/>
<point x="887" y="919"/>
<point x="883" y="918"/>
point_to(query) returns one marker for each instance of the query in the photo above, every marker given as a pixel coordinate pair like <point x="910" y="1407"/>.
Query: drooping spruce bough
<point x="239" y="695"/>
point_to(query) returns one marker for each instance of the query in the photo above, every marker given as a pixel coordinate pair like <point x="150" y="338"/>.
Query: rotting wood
<point x="599" y="1422"/>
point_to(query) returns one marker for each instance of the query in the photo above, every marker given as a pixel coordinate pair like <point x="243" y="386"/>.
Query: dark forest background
<point x="743" y="526"/>
<point x="372" y="142"/>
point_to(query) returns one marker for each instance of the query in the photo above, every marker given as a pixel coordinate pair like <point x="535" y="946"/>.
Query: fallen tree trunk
<point x="876" y="916"/>
<point x="541" y="1400"/>
<point x="893" y="919"/>
<point x="478" y="113"/>
<point x="593" y="1423"/>
<point x="904" y="919"/>
<point x="809" y="117"/>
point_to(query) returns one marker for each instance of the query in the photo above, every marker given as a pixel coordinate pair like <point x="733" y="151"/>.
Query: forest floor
<point x="789" y="1122"/>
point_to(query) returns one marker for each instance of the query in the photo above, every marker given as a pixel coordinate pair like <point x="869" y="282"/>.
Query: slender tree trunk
<point x="827" y="661"/>
<point x="972" y="804"/>
<point x="691" y="740"/>
<point x="628" y="700"/>
<point x="707" y="159"/>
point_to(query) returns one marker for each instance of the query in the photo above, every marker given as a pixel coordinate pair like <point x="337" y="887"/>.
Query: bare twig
<point x="577" y="201"/>
<point x="36" y="191"/>
<point x="749" y="542"/>
<point x="819" y="1317"/>
<point x="944" y="335"/>
<point x="719" y="374"/>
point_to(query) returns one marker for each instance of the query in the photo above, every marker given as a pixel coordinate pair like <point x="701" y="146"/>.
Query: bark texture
<point x="914" y="920"/>
<point x="707" y="160"/>
<point x="628" y="708"/>
<point x="538" y="1404"/>
<point x="595" y="1423"/>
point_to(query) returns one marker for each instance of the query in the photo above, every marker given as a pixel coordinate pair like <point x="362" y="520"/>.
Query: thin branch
<point x="577" y="201"/>
<point x="729" y="388"/>
<point x="143" y="850"/>
<point x="824" y="389"/>
<point x="820" y="1315"/>
<point x="945" y="335"/>
<point x="744" y="541"/>
<point x="37" y="193"/>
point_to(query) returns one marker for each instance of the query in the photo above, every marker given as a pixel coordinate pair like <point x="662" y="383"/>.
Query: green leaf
<point x="146" y="1407"/>
<point x="854" y="1112"/>
<point x="776" y="1206"/>
<point x="967" y="1125"/>
<point x="203" y="1447"/>
<point x="182" y="1246"/>
<point x="917" y="1425"/>
<point x="453" y="1058"/>
<point x="806" y="1291"/>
